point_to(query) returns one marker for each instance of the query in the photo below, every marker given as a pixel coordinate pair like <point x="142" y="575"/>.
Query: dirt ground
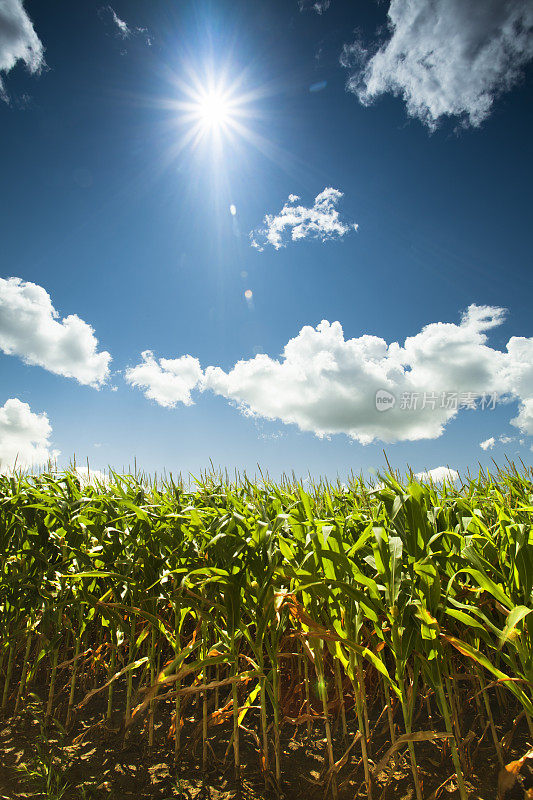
<point x="92" y="761"/>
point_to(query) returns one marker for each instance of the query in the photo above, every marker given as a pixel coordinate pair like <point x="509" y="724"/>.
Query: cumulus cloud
<point x="363" y="387"/>
<point x="91" y="477"/>
<point x="521" y="376"/>
<point x="86" y="477"/>
<point x="18" y="41"/>
<point x="445" y="57"/>
<point x="167" y="381"/>
<point x="438" y="475"/>
<point x="30" y="328"/>
<point x="488" y="444"/>
<point x="24" y="437"/>
<point x="327" y="384"/>
<point x="322" y="221"/>
<point x="524" y="420"/>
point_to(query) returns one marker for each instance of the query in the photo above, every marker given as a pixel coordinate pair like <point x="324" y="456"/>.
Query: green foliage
<point x="399" y="578"/>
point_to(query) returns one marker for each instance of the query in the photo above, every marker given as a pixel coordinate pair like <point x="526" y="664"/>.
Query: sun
<point x="213" y="106"/>
<point x="214" y="109"/>
<point x="215" y="112"/>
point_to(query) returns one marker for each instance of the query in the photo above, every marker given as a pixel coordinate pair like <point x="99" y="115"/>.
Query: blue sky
<point x="124" y="223"/>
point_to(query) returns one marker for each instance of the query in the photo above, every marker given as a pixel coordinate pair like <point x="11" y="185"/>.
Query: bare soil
<point x="95" y="762"/>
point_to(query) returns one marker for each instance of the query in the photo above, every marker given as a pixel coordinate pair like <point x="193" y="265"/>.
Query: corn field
<point x="269" y="610"/>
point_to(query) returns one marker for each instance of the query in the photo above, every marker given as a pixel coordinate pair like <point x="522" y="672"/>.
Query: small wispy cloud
<point x="18" y="42"/>
<point x="294" y="222"/>
<point x="123" y="29"/>
<point x="446" y="57"/>
<point x="492" y="441"/>
<point x="120" y="27"/>
<point x="316" y="5"/>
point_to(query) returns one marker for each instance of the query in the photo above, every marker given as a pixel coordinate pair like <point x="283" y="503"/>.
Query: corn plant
<point x="152" y="593"/>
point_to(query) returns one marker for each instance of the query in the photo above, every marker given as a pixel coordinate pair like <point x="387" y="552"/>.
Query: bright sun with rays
<point x="214" y="107"/>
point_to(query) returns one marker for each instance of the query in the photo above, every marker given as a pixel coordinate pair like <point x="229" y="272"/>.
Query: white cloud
<point x="24" y="437"/>
<point x="321" y="221"/>
<point x="506" y="439"/>
<point x="524" y="420"/>
<point x="446" y="57"/>
<point x="317" y="5"/>
<point x="123" y="29"/>
<point x="92" y="477"/>
<point x="327" y="384"/>
<point x="438" y="475"/>
<point x="521" y="376"/>
<point x="167" y="381"/>
<point x="86" y="477"/>
<point x="120" y="27"/>
<point x="490" y="443"/>
<point x="18" y="41"/>
<point x="30" y="329"/>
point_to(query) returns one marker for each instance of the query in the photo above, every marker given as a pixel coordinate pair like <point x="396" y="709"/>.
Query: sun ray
<point x="219" y="112"/>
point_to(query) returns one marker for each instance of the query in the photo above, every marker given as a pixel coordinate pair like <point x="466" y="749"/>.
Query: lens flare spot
<point x="248" y="294"/>
<point x="232" y="210"/>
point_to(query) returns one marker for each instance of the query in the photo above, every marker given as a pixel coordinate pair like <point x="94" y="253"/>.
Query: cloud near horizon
<point x="24" y="437"/>
<point x="30" y="329"/>
<point x="438" y="475"/>
<point x="294" y="222"/>
<point x="18" y="42"/>
<point x="326" y="384"/>
<point x="445" y="57"/>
